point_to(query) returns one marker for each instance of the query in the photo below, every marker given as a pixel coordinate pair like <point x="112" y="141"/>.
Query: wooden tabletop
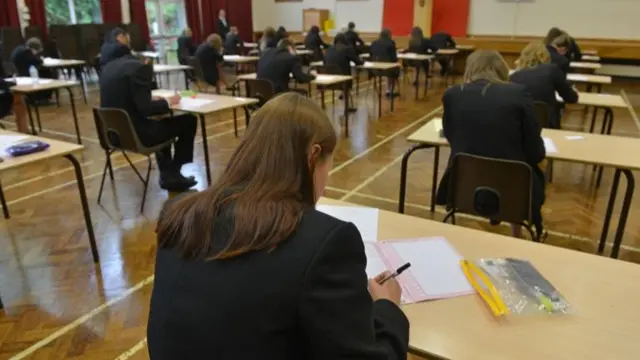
<point x="589" y="78"/>
<point x="25" y="85"/>
<point x="590" y="52"/>
<point x="304" y="52"/>
<point x="250" y="45"/>
<point x="448" y="51"/>
<point x="324" y="79"/>
<point x="251" y="76"/>
<point x="465" y="47"/>
<point x="585" y="65"/>
<point x="161" y="68"/>
<point x="600" y="100"/>
<point x="602" y="292"/>
<point x="56" y="148"/>
<point x="56" y="63"/>
<point x="147" y="54"/>
<point x="210" y="103"/>
<point x="590" y="58"/>
<point x="573" y="146"/>
<point x="240" y="59"/>
<point x="414" y="56"/>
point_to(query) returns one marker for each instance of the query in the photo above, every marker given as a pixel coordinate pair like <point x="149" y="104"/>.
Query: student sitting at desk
<point x="268" y="39"/>
<point x="419" y="44"/>
<point x="29" y="55"/>
<point x="186" y="47"/>
<point x="232" y="43"/>
<point x="209" y="54"/>
<point x="573" y="52"/>
<point x="488" y="116"/>
<point x="384" y="50"/>
<point x="340" y="56"/>
<point x="281" y="34"/>
<point x="117" y="44"/>
<point x="353" y="38"/>
<point x="249" y="269"/>
<point x="443" y="40"/>
<point x="558" y="48"/>
<point x="277" y="65"/>
<point x="313" y="41"/>
<point x="543" y="80"/>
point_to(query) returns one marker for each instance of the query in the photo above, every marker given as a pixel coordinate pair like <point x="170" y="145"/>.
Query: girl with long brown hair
<point x="248" y="269"/>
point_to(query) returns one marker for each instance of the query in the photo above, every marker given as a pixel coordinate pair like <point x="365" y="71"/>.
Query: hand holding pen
<point x="385" y="286"/>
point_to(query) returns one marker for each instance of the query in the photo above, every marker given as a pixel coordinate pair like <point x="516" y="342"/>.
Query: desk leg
<point x="1" y="304"/>
<point x="186" y="79"/>
<point x="247" y="116"/>
<point x="434" y="180"/>
<point x="346" y="95"/>
<point x="37" y="110"/>
<point x="403" y="174"/>
<point x="624" y="212"/>
<point x="83" y="84"/>
<point x="379" y="97"/>
<point x="75" y="115"/>
<point x="3" y="200"/>
<point x="417" y="81"/>
<point x="599" y="88"/>
<point x="20" y="111"/>
<point x="85" y="206"/>
<point x="593" y="119"/>
<point x="393" y="90"/>
<point x="607" y="124"/>
<point x="205" y="148"/>
<point x="31" y="123"/>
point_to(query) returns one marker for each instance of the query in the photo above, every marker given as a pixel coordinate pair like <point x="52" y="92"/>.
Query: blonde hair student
<point x="486" y="65"/>
<point x="534" y="54"/>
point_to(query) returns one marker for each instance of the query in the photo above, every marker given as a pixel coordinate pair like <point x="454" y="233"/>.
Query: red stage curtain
<point x="397" y="16"/>
<point x="38" y="15"/>
<point x="139" y="16"/>
<point x="192" y="8"/>
<point x="210" y="10"/>
<point x="111" y="11"/>
<point x="9" y="14"/>
<point x="451" y="16"/>
<point x="239" y="15"/>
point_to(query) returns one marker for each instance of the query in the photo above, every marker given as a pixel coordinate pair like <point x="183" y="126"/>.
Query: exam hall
<point x="514" y="121"/>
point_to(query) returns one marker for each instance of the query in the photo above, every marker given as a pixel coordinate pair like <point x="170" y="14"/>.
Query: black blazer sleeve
<point x="575" y="49"/>
<point x="533" y="144"/>
<point x="296" y="69"/>
<point x="353" y="56"/>
<point x="336" y="311"/>
<point x="141" y="86"/>
<point x="452" y="43"/>
<point x="563" y="87"/>
<point x="448" y="126"/>
<point x="393" y="52"/>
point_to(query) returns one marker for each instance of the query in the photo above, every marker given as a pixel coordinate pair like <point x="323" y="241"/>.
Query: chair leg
<point x="146" y="184"/>
<point x="107" y="167"/>
<point x="450" y="214"/>
<point x="534" y="236"/>
<point x="133" y="166"/>
<point x="3" y="201"/>
<point x="36" y="108"/>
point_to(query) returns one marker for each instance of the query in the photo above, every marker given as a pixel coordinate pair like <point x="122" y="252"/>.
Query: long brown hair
<point x="488" y="65"/>
<point x="534" y="54"/>
<point x="215" y="41"/>
<point x="263" y="191"/>
<point x="553" y="33"/>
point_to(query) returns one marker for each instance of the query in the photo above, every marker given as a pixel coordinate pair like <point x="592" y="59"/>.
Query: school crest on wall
<point x="421" y="2"/>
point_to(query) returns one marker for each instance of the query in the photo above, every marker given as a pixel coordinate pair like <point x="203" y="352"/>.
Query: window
<point x="166" y="20"/>
<point x="65" y="12"/>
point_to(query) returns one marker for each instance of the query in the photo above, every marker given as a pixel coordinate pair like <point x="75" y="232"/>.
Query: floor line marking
<point x="81" y="320"/>
<point x="371" y="178"/>
<point x="386" y="140"/>
<point x="134" y="349"/>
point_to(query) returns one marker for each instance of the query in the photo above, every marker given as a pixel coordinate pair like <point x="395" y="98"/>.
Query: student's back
<point x="277" y="65"/>
<point x="542" y="82"/>
<point x="384" y="50"/>
<point x="443" y="40"/>
<point x="342" y="55"/>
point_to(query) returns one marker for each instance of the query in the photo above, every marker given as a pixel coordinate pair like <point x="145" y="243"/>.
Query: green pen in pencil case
<point x="522" y="288"/>
<point x="187" y="93"/>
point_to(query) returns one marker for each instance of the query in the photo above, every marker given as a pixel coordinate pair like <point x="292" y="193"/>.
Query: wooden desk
<point x="250" y="45"/>
<point x="590" y="80"/>
<point x="24" y="87"/>
<point x="148" y="54"/>
<point x="419" y="59"/>
<point x="465" y="47"/>
<point x="605" y="324"/>
<point x="77" y="65"/>
<point x="590" y="58"/>
<point x="159" y="69"/>
<point x="240" y="59"/>
<point x="324" y="80"/>
<point x="590" y="52"/>
<point x="600" y="101"/>
<point x="601" y="150"/>
<point x="303" y="52"/>
<point x="585" y="65"/>
<point x="219" y="103"/>
<point x="379" y="69"/>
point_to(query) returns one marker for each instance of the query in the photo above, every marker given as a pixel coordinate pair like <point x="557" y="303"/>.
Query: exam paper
<point x="574" y="137"/>
<point x="375" y="264"/>
<point x="191" y="103"/>
<point x="364" y="218"/>
<point x="549" y="145"/>
<point x="324" y="77"/>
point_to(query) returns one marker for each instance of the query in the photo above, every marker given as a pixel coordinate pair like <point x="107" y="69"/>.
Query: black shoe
<point x="352" y="110"/>
<point x="177" y="183"/>
<point x="395" y="94"/>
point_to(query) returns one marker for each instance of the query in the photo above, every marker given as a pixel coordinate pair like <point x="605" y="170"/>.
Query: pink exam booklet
<point x="435" y="271"/>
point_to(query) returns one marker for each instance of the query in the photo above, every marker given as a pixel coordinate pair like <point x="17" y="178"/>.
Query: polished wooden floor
<point x="60" y="305"/>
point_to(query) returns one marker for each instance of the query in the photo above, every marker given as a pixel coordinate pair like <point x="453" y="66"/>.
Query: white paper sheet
<point x="324" y="77"/>
<point x="28" y="81"/>
<point x="8" y="140"/>
<point x="375" y="265"/>
<point x="191" y="103"/>
<point x="368" y="64"/>
<point x="549" y="145"/>
<point x="231" y="57"/>
<point x="574" y="137"/>
<point x="364" y="218"/>
<point x="435" y="266"/>
<point x="163" y="93"/>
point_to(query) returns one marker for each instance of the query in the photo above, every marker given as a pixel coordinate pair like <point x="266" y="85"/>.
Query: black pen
<point x="399" y="271"/>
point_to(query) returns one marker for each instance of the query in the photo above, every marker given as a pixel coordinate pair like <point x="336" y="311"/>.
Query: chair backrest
<point x="492" y="188"/>
<point x="261" y="90"/>
<point x="115" y="130"/>
<point x="543" y="111"/>
<point x="328" y="70"/>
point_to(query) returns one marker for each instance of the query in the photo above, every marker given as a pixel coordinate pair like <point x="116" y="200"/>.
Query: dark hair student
<point x="248" y="269"/>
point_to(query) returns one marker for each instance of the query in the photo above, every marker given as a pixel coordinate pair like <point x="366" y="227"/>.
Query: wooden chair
<point x="499" y="190"/>
<point x="116" y="133"/>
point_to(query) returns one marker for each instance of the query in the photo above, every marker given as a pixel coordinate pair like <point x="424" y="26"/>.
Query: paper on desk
<point x="435" y="271"/>
<point x="549" y="145"/>
<point x="191" y="103"/>
<point x="29" y="81"/>
<point x="375" y="264"/>
<point x="163" y="93"/>
<point x="368" y="64"/>
<point x="8" y="140"/>
<point x="324" y="77"/>
<point x="231" y="57"/>
<point x="574" y="137"/>
<point x="364" y="218"/>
